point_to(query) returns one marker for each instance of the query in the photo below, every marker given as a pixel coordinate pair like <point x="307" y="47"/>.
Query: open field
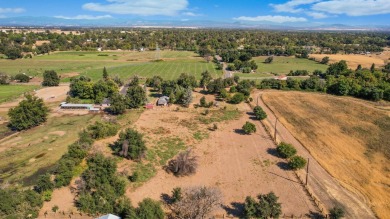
<point x="10" y="92"/>
<point x="123" y="63"/>
<point x="348" y="137"/>
<point x="354" y="60"/>
<point x="25" y="155"/>
<point x="283" y="65"/>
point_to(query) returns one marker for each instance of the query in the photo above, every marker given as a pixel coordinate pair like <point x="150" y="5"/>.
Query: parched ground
<point x="239" y="165"/>
<point x="353" y="60"/>
<point x="347" y="136"/>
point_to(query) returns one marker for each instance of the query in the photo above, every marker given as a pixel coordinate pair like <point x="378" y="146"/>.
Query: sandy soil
<point x="239" y="165"/>
<point x="322" y="124"/>
<point x="354" y="60"/>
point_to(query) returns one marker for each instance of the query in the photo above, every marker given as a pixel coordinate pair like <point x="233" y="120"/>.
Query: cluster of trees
<point x="50" y="78"/>
<point x="130" y="144"/>
<point x="29" y="113"/>
<point x="239" y="60"/>
<point x="289" y="152"/>
<point x="180" y="91"/>
<point x="205" y="42"/>
<point x="266" y="206"/>
<point x="367" y="84"/>
<point x="298" y="73"/>
<point x="16" y="203"/>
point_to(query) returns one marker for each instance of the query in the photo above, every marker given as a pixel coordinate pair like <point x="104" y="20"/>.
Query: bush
<point x="259" y="113"/>
<point x="297" y="162"/>
<point x="136" y="97"/>
<point x="29" y="113"/>
<point x="196" y="202"/>
<point x="19" y="204"/>
<point x="249" y="128"/>
<point x="266" y="206"/>
<point x="237" y="98"/>
<point x="44" y="184"/>
<point x="149" y="208"/>
<point x="4" y="79"/>
<point x="336" y="213"/>
<point x="101" y="130"/>
<point x="268" y="60"/>
<point x="118" y="104"/>
<point x="176" y="195"/>
<point x="130" y="144"/>
<point x="50" y="78"/>
<point x="202" y="102"/>
<point x="184" y="164"/>
<point x="286" y="150"/>
<point x="22" y="78"/>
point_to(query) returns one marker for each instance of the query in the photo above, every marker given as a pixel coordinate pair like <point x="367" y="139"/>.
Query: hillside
<point x="348" y="137"/>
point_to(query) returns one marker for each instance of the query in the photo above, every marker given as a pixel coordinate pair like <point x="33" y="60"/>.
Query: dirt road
<point x="325" y="187"/>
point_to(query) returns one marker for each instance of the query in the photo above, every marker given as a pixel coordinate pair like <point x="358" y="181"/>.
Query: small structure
<point x="76" y="106"/>
<point x="109" y="216"/>
<point x="163" y="101"/>
<point x="149" y="106"/>
<point x="281" y="78"/>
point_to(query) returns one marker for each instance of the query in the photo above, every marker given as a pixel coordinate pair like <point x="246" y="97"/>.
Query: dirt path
<point x="239" y="165"/>
<point x="325" y="187"/>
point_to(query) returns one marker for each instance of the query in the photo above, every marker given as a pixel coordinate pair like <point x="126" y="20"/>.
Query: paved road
<point x="325" y="187"/>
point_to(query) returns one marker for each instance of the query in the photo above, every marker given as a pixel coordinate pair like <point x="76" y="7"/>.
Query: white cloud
<point x="11" y="10"/>
<point x="292" y="6"/>
<point x="316" y="15"/>
<point x="270" y="18"/>
<point x="84" y="17"/>
<point x="191" y="14"/>
<point x="140" y="7"/>
<point x="354" y="7"/>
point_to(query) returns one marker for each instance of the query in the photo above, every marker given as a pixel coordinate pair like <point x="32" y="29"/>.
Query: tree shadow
<point x="283" y="177"/>
<point x="155" y="95"/>
<point x="166" y="198"/>
<point x="240" y="131"/>
<point x="314" y="215"/>
<point x="237" y="209"/>
<point x="283" y="165"/>
<point x="204" y="92"/>
<point x="273" y="152"/>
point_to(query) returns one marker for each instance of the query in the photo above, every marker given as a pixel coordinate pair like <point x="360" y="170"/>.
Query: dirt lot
<point x="239" y="165"/>
<point x="354" y="60"/>
<point x="352" y="134"/>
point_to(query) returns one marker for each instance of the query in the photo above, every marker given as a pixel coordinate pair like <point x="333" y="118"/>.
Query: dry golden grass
<point x="350" y="138"/>
<point x="354" y="60"/>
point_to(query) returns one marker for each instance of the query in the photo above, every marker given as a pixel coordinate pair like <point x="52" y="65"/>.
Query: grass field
<point x="123" y="63"/>
<point x="27" y="154"/>
<point x="348" y="137"/>
<point x="10" y="92"/>
<point x="283" y="65"/>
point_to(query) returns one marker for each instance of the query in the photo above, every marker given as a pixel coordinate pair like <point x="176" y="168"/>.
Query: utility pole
<point x="276" y="121"/>
<point x="307" y="170"/>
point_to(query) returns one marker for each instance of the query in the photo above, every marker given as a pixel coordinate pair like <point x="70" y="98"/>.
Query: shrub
<point x="176" y="195"/>
<point x="29" y="113"/>
<point x="118" y="104"/>
<point x="202" y="102"/>
<point x="46" y="195"/>
<point x="266" y="206"/>
<point x="44" y="184"/>
<point x="130" y="144"/>
<point x="286" y="150"/>
<point x="101" y="130"/>
<point x="4" y="79"/>
<point x="336" y="213"/>
<point x="22" y="78"/>
<point x="237" y="98"/>
<point x="196" y="202"/>
<point x="184" y="164"/>
<point x="233" y="89"/>
<point x="136" y="96"/>
<point x="297" y="162"/>
<point x="259" y="113"/>
<point x="50" y="78"/>
<point x="249" y="128"/>
<point x="268" y="60"/>
<point x="149" y="208"/>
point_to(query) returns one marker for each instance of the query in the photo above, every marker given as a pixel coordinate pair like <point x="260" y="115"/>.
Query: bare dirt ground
<point x="239" y="165"/>
<point x="323" y="124"/>
<point x="354" y="60"/>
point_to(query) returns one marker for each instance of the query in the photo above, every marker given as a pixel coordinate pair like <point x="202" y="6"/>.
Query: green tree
<point x="249" y="128"/>
<point x="4" y="79"/>
<point x="29" y="113"/>
<point x="44" y="183"/>
<point x="105" y="73"/>
<point x="202" y="101"/>
<point x="136" y="97"/>
<point x="117" y="104"/>
<point x="336" y="213"/>
<point x="130" y="144"/>
<point x="297" y="162"/>
<point x="237" y="98"/>
<point x="286" y="150"/>
<point x="269" y="60"/>
<point x="205" y="80"/>
<point x="23" y="78"/>
<point x="372" y="69"/>
<point x="13" y="53"/>
<point x="101" y="130"/>
<point x="325" y="60"/>
<point x="266" y="206"/>
<point x="259" y="113"/>
<point x="176" y="195"/>
<point x="149" y="208"/>
<point x="187" y="97"/>
<point x="50" y="78"/>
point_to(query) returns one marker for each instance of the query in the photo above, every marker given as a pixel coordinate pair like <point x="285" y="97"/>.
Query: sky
<point x="285" y="12"/>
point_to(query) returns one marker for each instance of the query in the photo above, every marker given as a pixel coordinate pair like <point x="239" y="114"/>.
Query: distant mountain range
<point x="116" y="22"/>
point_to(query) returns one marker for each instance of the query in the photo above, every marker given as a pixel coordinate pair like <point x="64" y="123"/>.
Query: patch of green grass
<point x="10" y="92"/>
<point x="143" y="173"/>
<point x="200" y="135"/>
<point x="165" y="149"/>
<point x="35" y="150"/>
<point x="219" y="116"/>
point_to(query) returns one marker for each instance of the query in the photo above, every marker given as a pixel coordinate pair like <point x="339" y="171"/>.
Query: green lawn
<point x="9" y="92"/>
<point x="283" y="65"/>
<point x="123" y="63"/>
